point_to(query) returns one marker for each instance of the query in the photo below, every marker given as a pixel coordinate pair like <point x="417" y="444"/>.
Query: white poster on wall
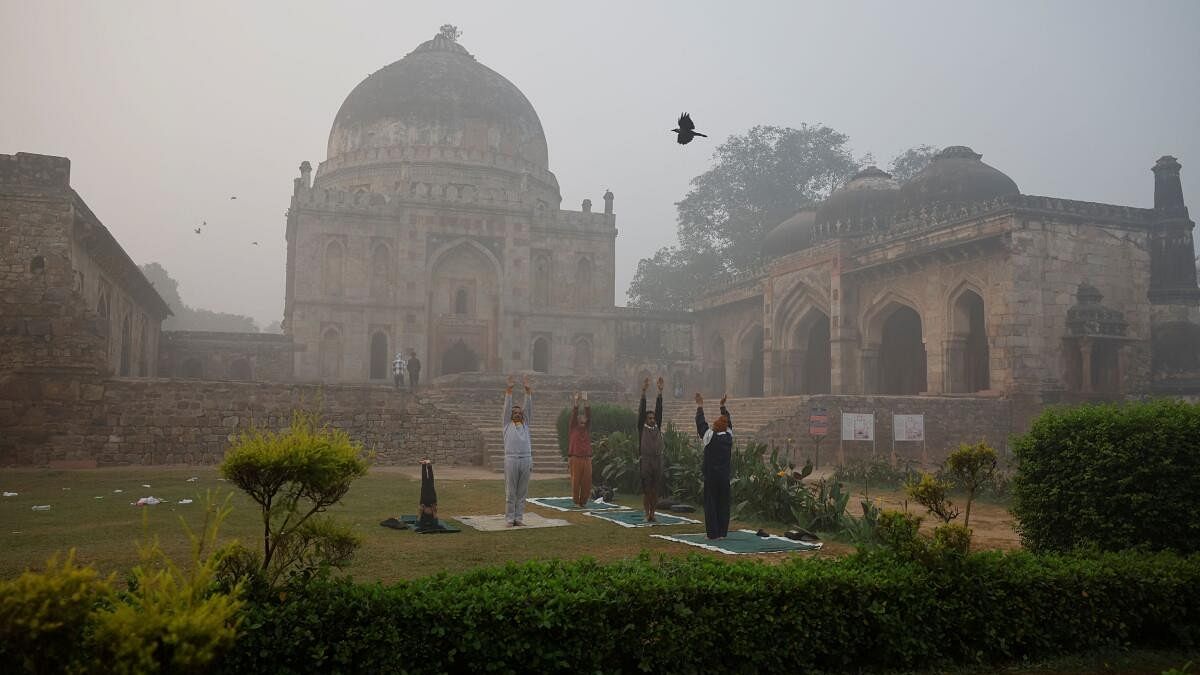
<point x="908" y="427"/>
<point x="858" y="426"/>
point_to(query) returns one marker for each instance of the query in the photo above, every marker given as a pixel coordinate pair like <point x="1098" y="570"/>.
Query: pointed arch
<point x="381" y="271"/>
<point x="331" y="354"/>
<point x="750" y="373"/>
<point x="333" y="268"/>
<point x="379" y="356"/>
<point x="582" y="360"/>
<point x="541" y="354"/>
<point x="542" y="274"/>
<point x="967" y="349"/>
<point x="583" y="282"/>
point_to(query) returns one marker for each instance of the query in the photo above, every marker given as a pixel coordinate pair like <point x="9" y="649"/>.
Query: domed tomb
<point x="791" y="235"/>
<point x="865" y="203"/>
<point x="955" y="175"/>
<point x="439" y="95"/>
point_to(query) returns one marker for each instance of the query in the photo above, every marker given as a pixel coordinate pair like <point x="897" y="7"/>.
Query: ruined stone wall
<point x="949" y="421"/>
<point x="69" y="419"/>
<point x="44" y="322"/>
<point x="95" y="284"/>
<point x="211" y="355"/>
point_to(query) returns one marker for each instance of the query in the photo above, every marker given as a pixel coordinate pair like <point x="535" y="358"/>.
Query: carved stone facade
<point x="956" y="283"/>
<point x="434" y="225"/>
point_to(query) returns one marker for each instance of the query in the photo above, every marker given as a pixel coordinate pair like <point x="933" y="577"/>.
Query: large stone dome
<point x="439" y="95"/>
<point x="791" y="235"/>
<point x="870" y="194"/>
<point x="955" y="175"/>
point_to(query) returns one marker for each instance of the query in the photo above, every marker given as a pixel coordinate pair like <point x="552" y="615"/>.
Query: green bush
<point x="292" y="476"/>
<point x="44" y="616"/>
<point x="971" y="467"/>
<point x="868" y="612"/>
<point x="874" y="473"/>
<point x="607" y="418"/>
<point x="1111" y="476"/>
<point x="616" y="462"/>
<point x="933" y="493"/>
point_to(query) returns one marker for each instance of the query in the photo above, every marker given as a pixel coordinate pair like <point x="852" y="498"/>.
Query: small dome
<point x="791" y="235"/>
<point x="868" y="194"/>
<point x="955" y="175"/>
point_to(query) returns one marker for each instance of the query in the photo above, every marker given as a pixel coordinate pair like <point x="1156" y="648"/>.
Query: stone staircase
<point x="486" y="417"/>
<point x="749" y="414"/>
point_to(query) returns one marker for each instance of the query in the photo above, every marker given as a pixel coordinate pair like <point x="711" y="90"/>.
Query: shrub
<point x="864" y="613"/>
<point x="171" y="620"/>
<point x="607" y="418"/>
<point x="682" y="457"/>
<point x="292" y="476"/>
<point x="616" y="461"/>
<point x="932" y="493"/>
<point x="971" y="467"/>
<point x="44" y="615"/>
<point x="1113" y="476"/>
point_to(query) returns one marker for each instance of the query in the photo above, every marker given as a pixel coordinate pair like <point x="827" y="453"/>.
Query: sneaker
<point x="518" y="523"/>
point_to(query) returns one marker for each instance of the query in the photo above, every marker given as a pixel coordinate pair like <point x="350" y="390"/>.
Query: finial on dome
<point x="450" y="32"/>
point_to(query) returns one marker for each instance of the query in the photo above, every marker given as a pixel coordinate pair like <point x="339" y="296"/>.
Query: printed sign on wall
<point x="858" y="426"/>
<point x="908" y="427"/>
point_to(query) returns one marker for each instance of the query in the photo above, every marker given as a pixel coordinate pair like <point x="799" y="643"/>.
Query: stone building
<point x="69" y="294"/>
<point x="955" y="283"/>
<point x="435" y="225"/>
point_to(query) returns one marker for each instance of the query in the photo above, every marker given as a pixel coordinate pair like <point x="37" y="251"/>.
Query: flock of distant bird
<point x="684" y="133"/>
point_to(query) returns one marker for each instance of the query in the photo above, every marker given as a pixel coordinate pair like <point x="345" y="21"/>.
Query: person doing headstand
<point x="579" y="451"/>
<point x="650" y="449"/>
<point x="715" y="468"/>
<point x="518" y="453"/>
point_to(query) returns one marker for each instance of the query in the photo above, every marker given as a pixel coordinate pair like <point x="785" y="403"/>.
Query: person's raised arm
<point x="574" y="412"/>
<point x="506" y="414"/>
<point x="701" y="424"/>
<point x="642" y="408"/>
<point x="725" y="411"/>
<point x="658" y="418"/>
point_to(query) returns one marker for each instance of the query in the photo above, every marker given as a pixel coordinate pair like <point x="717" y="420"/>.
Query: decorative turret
<point x="608" y="202"/>
<point x="1172" y="255"/>
<point x="587" y="206"/>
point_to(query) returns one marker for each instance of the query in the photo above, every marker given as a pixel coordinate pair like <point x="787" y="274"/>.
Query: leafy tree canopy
<point x="187" y="318"/>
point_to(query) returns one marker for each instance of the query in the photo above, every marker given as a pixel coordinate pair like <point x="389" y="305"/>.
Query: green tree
<point x="971" y="467"/>
<point x="933" y="493"/>
<point x="758" y="180"/>
<point x="186" y="318"/>
<point x="293" y="475"/>
<point x="910" y="162"/>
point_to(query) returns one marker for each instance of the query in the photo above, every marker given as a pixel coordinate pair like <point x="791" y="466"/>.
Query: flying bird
<point x="254" y="242"/>
<point x="687" y="130"/>
<point x="197" y="230"/>
<point x="233" y="197"/>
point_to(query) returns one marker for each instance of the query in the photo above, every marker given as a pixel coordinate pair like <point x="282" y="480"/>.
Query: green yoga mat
<point x="742" y="542"/>
<point x="445" y="528"/>
<point x="568" y="504"/>
<point x="630" y="518"/>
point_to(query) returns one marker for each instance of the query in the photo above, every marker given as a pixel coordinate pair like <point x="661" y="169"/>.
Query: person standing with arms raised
<point x="650" y="449"/>
<point x="518" y="452"/>
<point x="715" y="468"/>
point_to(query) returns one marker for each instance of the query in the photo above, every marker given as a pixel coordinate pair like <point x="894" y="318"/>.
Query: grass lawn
<point x="105" y="531"/>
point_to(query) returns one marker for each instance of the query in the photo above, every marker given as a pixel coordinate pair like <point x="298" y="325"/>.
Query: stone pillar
<point x="1085" y="370"/>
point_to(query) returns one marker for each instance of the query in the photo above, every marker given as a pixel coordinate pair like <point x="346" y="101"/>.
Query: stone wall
<point x="211" y="355"/>
<point x="949" y="421"/>
<point x="65" y="418"/>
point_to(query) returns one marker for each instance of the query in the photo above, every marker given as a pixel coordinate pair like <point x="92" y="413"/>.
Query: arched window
<point x="902" y="353"/>
<point x="332" y="270"/>
<point x="583" y="283"/>
<point x="541" y="355"/>
<point x="380" y="272"/>
<point x="331" y="354"/>
<point x="460" y="302"/>
<point x="968" y="348"/>
<point x="379" y="356"/>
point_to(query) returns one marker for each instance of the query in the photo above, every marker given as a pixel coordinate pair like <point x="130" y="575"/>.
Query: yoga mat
<point x="497" y="523"/>
<point x="742" y="542"/>
<point x="629" y="518"/>
<point x="568" y="504"/>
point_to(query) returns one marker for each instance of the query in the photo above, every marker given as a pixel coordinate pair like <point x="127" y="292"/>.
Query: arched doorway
<point x="541" y="355"/>
<point x="750" y="362"/>
<point x="902" y="353"/>
<point x="379" y="356"/>
<point x="583" y="357"/>
<point x="331" y="354"/>
<point x="459" y="359"/>
<point x="715" y="366"/>
<point x="464" y="306"/>
<point x="968" y="348"/>
<point x="816" y="370"/>
<point x="126" y="346"/>
<point x="192" y="369"/>
<point x="240" y="370"/>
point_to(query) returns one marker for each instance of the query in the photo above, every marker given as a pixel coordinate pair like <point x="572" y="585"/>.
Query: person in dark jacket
<point x="414" y="370"/>
<point x="650" y="449"/>
<point x="715" y="468"/>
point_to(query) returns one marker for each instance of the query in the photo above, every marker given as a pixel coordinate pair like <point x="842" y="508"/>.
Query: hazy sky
<point x="167" y="109"/>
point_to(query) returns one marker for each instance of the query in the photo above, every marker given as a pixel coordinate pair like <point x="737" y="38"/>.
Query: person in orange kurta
<point x="579" y="451"/>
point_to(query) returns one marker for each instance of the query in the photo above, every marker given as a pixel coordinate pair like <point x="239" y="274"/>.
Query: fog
<point x="166" y="110"/>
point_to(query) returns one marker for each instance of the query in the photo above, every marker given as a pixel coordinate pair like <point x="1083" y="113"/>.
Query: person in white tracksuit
<point x="518" y="453"/>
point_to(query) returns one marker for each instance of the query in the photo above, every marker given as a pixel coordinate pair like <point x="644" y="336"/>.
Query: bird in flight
<point x="687" y="130"/>
<point x="233" y="197"/>
<point x="197" y="230"/>
<point x="254" y="242"/>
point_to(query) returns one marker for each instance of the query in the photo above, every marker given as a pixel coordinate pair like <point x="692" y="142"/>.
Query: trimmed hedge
<point x="697" y="614"/>
<point x="1109" y="476"/>
<point x="606" y="418"/>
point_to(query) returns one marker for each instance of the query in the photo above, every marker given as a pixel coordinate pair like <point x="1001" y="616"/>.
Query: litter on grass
<point x="118" y="491"/>
<point x="147" y="501"/>
<point x="145" y="485"/>
<point x="10" y="494"/>
<point x="193" y="479"/>
<point x="43" y="507"/>
<point x="185" y="501"/>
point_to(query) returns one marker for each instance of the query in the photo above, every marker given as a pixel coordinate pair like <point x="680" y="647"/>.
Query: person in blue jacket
<point x="715" y="468"/>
